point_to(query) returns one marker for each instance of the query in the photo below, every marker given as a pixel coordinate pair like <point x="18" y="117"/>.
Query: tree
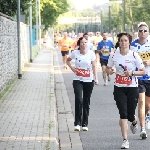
<point x="50" y="11"/>
<point x="9" y="7"/>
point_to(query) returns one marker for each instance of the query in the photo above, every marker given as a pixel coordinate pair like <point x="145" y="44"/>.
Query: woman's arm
<point x="95" y="72"/>
<point x="140" y="72"/>
<point x="139" y="64"/>
<point x="109" y="70"/>
<point x="69" y="64"/>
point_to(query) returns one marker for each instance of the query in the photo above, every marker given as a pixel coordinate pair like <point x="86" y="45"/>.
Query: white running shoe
<point x="134" y="128"/>
<point x="85" y="128"/>
<point x="125" y="144"/>
<point x="105" y="83"/>
<point x="77" y="128"/>
<point x="143" y="134"/>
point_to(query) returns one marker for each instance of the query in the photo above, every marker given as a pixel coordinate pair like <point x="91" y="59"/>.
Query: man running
<point x="104" y="49"/>
<point x="89" y="43"/>
<point x="65" y="44"/>
<point x="98" y="38"/>
<point x="142" y="46"/>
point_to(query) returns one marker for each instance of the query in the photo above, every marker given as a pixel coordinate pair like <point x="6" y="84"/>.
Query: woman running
<point x="126" y="83"/>
<point x="85" y="68"/>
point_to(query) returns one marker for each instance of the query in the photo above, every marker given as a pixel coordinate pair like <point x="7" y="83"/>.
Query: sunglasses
<point x="143" y="31"/>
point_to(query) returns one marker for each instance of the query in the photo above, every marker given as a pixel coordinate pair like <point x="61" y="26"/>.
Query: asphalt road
<point x="104" y="131"/>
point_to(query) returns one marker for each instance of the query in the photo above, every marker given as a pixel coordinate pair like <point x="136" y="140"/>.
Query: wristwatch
<point x="133" y="73"/>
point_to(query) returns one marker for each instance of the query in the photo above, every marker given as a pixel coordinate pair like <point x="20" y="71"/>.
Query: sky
<point x="82" y="4"/>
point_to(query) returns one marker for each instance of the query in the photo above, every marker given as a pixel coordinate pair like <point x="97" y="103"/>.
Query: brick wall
<point x="9" y="49"/>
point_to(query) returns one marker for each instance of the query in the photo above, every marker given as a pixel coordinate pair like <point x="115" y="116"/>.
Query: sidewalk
<point x="29" y="119"/>
<point x="68" y="138"/>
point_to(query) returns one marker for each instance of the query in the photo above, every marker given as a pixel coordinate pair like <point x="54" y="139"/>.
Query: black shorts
<point x="126" y="100"/>
<point x="96" y="51"/>
<point x="103" y="62"/>
<point x="144" y="86"/>
<point x="63" y="53"/>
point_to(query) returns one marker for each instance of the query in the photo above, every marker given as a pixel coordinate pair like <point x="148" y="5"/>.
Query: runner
<point x="83" y="82"/>
<point x="126" y="83"/>
<point x="64" y="44"/>
<point x="90" y="37"/>
<point x="98" y="38"/>
<point x="104" y="48"/>
<point x="44" y="41"/>
<point x="142" y="46"/>
<point x="89" y="44"/>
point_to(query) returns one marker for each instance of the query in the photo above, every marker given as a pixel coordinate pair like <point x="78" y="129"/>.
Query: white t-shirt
<point x="131" y="61"/>
<point x="83" y="65"/>
<point x="141" y="49"/>
<point x="89" y="46"/>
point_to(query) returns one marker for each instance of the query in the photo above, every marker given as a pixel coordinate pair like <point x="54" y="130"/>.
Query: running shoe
<point x="125" y="144"/>
<point x="134" y="128"/>
<point x="143" y="134"/>
<point x="85" y="128"/>
<point x="77" y="128"/>
<point x="105" y="83"/>
<point x="109" y="79"/>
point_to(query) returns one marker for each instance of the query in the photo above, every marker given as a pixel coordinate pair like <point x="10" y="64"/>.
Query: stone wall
<point x="9" y="49"/>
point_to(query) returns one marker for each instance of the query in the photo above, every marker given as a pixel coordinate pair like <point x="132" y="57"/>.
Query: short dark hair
<point x="85" y="34"/>
<point x="104" y="32"/>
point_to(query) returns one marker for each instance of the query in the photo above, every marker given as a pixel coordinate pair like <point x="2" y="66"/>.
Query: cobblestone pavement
<point x="28" y="109"/>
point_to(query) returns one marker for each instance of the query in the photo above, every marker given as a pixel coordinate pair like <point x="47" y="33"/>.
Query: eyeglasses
<point x="143" y="31"/>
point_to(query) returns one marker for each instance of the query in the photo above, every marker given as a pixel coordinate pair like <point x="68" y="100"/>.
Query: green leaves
<point x="51" y="9"/>
<point x="9" y="7"/>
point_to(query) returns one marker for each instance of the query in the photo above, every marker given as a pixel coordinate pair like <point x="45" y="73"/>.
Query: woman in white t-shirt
<point x="126" y="93"/>
<point x="83" y="82"/>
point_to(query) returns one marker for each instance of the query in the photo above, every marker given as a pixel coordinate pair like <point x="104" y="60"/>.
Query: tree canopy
<point x="9" y="7"/>
<point x="50" y="9"/>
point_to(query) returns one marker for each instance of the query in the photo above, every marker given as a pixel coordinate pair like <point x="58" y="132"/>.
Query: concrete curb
<point x="54" y="145"/>
<point x="68" y="138"/>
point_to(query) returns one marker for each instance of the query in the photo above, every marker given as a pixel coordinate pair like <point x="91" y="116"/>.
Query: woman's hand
<point x="128" y="73"/>
<point x="96" y="82"/>
<point x="110" y="71"/>
<point x="73" y="69"/>
<point x="146" y="63"/>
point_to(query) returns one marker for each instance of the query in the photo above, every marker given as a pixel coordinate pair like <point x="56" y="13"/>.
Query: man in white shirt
<point x="89" y="44"/>
<point x="142" y="47"/>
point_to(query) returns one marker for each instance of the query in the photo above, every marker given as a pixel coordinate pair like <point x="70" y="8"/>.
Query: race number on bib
<point x="121" y="79"/>
<point x="82" y="72"/>
<point x="145" y="55"/>
<point x="106" y="52"/>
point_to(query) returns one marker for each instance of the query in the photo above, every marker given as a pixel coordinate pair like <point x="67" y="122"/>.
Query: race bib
<point x="145" y="55"/>
<point x="106" y="52"/>
<point x="122" y="79"/>
<point x="82" y="72"/>
<point x="65" y="45"/>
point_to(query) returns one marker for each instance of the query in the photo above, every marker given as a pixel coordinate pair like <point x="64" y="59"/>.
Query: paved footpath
<point x="32" y="117"/>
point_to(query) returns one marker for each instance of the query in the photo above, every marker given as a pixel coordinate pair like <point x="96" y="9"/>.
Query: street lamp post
<point x="109" y="19"/>
<point x="124" y="10"/>
<point x="31" y="31"/>
<point x="101" y="21"/>
<point x="18" y="35"/>
<point x="39" y="13"/>
<point x="37" y="25"/>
